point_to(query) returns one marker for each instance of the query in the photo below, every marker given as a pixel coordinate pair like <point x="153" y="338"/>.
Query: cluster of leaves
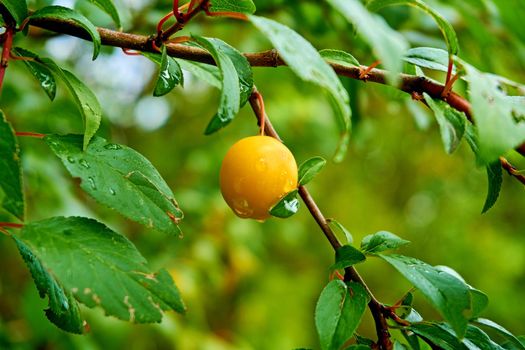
<point x="120" y="178"/>
<point x="342" y="304"/>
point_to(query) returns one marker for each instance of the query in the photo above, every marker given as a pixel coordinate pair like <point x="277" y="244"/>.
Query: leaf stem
<point x="182" y="19"/>
<point x="376" y="307"/>
<point x="512" y="170"/>
<point x="30" y="134"/>
<point x="364" y="74"/>
<point x="11" y="224"/>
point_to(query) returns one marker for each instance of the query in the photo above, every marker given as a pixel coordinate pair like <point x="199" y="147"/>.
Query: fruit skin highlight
<point x="256" y="173"/>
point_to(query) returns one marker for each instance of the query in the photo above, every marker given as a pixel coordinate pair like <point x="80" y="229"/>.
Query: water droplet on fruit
<point x="92" y="183"/>
<point x="84" y="163"/>
<point x="242" y="207"/>
<point x="70" y="159"/>
<point x="112" y="146"/>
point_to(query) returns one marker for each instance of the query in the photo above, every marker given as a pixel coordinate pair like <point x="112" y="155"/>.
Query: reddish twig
<point x="131" y="52"/>
<point x="449" y="86"/>
<point x="6" y="50"/>
<point x="30" y="134"/>
<point x="512" y="170"/>
<point x="11" y="225"/>
<point x="234" y="15"/>
<point x="161" y="23"/>
<point x="184" y="18"/>
<point x="376" y="307"/>
<point x="364" y="73"/>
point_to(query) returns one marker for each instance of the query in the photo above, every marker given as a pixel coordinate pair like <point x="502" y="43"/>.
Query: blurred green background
<point x="251" y="285"/>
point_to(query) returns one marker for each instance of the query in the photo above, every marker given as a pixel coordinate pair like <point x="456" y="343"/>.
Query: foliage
<point x="79" y="263"/>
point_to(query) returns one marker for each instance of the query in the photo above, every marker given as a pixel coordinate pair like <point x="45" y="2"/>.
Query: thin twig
<point x="30" y="134"/>
<point x="11" y="224"/>
<point x="376" y="307"/>
<point x="512" y="170"/>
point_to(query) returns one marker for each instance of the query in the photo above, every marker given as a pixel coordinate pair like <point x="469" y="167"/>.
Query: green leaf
<point x="120" y="178"/>
<point x="242" y="66"/>
<point x="501" y="331"/>
<point x="508" y="345"/>
<point x="498" y="130"/>
<point x="241" y="6"/>
<point x="479" y="302"/>
<point x="10" y="170"/>
<point x="40" y="72"/>
<point x="347" y="256"/>
<point x="170" y="73"/>
<point x="63" y="309"/>
<point x="448" y="294"/>
<point x="479" y="340"/>
<point x="517" y="104"/>
<point x="230" y="95"/>
<point x="388" y="45"/>
<point x="339" y="226"/>
<point x="64" y="13"/>
<point x="381" y="241"/>
<point x="86" y="100"/>
<point x="340" y="57"/>
<point x="495" y="179"/>
<point x="304" y="60"/>
<point x="451" y="122"/>
<point x="108" y="7"/>
<point x="206" y="72"/>
<point x="399" y="346"/>
<point x="287" y="206"/>
<point x="446" y="28"/>
<point x="359" y="347"/>
<point x="101" y="268"/>
<point x="338" y="313"/>
<point x="17" y="9"/>
<point x="429" y="57"/>
<point x="437" y="335"/>
<point x="309" y="169"/>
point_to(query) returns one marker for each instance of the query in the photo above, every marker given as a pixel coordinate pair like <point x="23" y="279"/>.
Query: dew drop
<point x="84" y="163"/>
<point x="112" y="191"/>
<point x="92" y="183"/>
<point x="242" y="207"/>
<point x="70" y="159"/>
<point x="112" y="146"/>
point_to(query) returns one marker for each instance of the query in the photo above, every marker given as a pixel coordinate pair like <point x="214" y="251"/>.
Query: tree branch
<point x="270" y="58"/>
<point x="351" y="274"/>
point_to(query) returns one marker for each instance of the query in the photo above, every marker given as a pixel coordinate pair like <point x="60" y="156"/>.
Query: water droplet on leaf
<point x="92" y="183"/>
<point x="84" y="163"/>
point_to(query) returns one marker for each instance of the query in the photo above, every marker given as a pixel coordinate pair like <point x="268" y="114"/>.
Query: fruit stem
<point x="262" y="113"/>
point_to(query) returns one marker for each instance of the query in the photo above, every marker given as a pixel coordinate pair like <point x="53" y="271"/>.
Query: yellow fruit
<point x="256" y="173"/>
